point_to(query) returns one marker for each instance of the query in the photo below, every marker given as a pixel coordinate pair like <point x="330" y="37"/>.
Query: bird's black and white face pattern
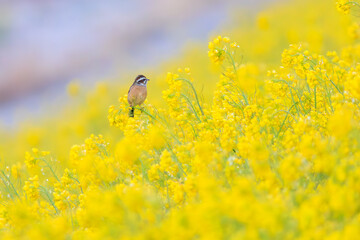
<point x="141" y="80"/>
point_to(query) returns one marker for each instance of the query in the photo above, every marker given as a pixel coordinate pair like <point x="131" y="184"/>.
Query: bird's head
<point x="141" y="80"/>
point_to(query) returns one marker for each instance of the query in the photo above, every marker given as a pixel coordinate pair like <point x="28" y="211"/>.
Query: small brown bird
<point x="137" y="93"/>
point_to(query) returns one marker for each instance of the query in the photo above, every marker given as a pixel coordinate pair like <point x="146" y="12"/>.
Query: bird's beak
<point x="148" y="79"/>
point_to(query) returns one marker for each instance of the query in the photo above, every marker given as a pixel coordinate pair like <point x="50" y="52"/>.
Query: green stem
<point x="49" y="198"/>
<point x="315" y="96"/>
<point x="73" y="178"/>
<point x="8" y="179"/>
<point x="177" y="160"/>
<point x="354" y="3"/>
<point x="192" y="107"/>
<point x="196" y="96"/>
<point x="283" y="123"/>
<point x="7" y="187"/>
<point x="48" y="165"/>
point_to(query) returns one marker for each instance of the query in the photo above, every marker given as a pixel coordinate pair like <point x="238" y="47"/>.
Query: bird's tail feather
<point x="131" y="112"/>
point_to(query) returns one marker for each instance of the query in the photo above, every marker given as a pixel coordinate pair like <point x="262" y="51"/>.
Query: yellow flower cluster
<point x="254" y="151"/>
<point x="31" y="159"/>
<point x="220" y="49"/>
<point x="31" y="188"/>
<point x="343" y="6"/>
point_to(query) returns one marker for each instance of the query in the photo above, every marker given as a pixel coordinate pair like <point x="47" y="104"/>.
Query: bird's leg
<point x="131" y="112"/>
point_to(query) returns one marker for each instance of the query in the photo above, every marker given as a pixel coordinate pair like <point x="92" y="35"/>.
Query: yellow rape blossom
<point x="264" y="146"/>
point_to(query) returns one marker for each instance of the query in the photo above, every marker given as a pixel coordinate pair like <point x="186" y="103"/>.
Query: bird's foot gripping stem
<point x="131" y="112"/>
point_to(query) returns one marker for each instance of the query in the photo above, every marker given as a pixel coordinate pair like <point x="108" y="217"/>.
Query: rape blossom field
<point x="256" y="136"/>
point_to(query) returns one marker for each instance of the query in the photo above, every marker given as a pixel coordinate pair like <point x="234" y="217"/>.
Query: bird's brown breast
<point x="137" y="95"/>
